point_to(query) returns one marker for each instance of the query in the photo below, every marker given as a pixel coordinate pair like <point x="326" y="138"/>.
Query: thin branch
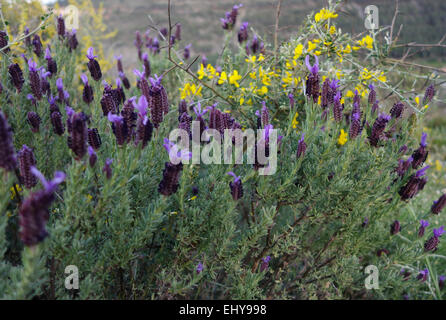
<point x="276" y="29"/>
<point x="393" y="22"/>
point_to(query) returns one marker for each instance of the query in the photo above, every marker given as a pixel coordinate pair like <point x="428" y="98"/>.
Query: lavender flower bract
<point x="429" y="94"/>
<point x="107" y="168"/>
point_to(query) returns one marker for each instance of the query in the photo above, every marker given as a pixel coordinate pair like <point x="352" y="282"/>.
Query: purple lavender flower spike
<point x="34" y="79"/>
<point x="423" y="225"/>
<point x="292" y="101"/>
<point x="93" y="65"/>
<point x="265" y="263"/>
<point x="119" y="127"/>
<point x="439" y="204"/>
<point x="186" y="53"/>
<point x="243" y="32"/>
<point x="199" y="268"/>
<point x="93" y="157"/>
<point x="236" y="186"/>
<point x="302" y="146"/>
<point x="107" y="168"/>
<point x="34" y="211"/>
<point x="434" y="241"/>
<point x="267" y="129"/>
<point x="423" y="275"/>
<point x="441" y="281"/>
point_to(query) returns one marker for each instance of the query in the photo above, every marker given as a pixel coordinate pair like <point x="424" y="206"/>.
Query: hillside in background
<point x="424" y="21"/>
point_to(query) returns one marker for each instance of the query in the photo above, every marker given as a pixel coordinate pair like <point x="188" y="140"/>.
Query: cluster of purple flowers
<point x="64" y="34"/>
<point x="172" y="169"/>
<point x="34" y="211"/>
<point x="230" y="18"/>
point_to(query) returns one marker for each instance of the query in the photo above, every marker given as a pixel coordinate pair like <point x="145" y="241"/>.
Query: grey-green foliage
<point x="129" y="242"/>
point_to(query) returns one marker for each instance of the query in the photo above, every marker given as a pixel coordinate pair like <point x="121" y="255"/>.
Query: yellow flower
<point x="262" y="91"/>
<point x="324" y="14"/>
<point x="342" y="138"/>
<point x="417" y="100"/>
<point x="251" y="59"/>
<point x="295" y="122"/>
<point x="350" y="94"/>
<point x="311" y="46"/>
<point x="190" y="90"/>
<point x="201" y="72"/>
<point x="365" y="74"/>
<point x="438" y="165"/>
<point x="339" y="74"/>
<point x="211" y="71"/>
<point x="382" y="77"/>
<point x="223" y="78"/>
<point x="266" y="80"/>
<point x="234" y="77"/>
<point x="332" y="30"/>
<point x="366" y="42"/>
<point x="298" y="51"/>
<point x="347" y="49"/>
<point x="13" y="193"/>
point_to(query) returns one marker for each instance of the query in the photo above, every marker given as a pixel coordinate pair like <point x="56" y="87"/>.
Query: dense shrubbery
<point x="139" y="227"/>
